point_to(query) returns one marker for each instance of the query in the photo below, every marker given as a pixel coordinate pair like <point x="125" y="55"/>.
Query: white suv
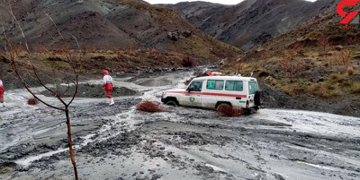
<point x="214" y="91"/>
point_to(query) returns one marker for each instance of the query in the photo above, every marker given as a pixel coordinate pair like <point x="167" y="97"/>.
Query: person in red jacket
<point x="2" y="91"/>
<point x="108" y="87"/>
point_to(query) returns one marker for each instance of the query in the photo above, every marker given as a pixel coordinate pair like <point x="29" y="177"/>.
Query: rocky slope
<point x="252" y="21"/>
<point x="109" y="24"/>
<point x="317" y="63"/>
<point x="325" y="26"/>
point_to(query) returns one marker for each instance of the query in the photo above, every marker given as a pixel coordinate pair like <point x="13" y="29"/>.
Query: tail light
<point x="247" y="104"/>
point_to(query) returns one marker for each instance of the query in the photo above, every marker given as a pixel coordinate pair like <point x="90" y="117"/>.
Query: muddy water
<point x="120" y="143"/>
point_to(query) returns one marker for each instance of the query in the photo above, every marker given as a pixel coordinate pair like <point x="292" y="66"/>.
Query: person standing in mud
<point x="2" y="91"/>
<point x="108" y="87"/>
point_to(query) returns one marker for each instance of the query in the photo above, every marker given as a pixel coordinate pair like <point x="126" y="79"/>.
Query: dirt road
<point x="120" y="143"/>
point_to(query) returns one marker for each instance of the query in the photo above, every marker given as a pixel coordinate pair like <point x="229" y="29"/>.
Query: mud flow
<point x="88" y="90"/>
<point x="118" y="142"/>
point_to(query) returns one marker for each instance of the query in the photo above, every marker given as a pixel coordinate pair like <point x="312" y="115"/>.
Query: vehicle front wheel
<point x="171" y="103"/>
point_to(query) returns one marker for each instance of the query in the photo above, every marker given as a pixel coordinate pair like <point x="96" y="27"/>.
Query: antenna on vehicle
<point x="251" y="74"/>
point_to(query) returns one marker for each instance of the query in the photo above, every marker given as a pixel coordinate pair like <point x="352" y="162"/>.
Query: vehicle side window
<point x="215" y="84"/>
<point x="196" y="86"/>
<point x="234" y="86"/>
<point x="253" y="87"/>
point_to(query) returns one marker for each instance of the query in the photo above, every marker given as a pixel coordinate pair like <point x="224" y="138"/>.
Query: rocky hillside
<point x="110" y="24"/>
<point x="315" y="66"/>
<point x="252" y="21"/>
<point x="325" y="26"/>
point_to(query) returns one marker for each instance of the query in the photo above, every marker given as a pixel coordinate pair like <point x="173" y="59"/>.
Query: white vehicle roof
<point x="238" y="78"/>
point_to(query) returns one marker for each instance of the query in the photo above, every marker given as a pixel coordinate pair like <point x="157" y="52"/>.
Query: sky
<point x="229" y="2"/>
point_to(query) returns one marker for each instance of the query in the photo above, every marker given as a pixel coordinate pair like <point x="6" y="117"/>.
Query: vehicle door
<point x="238" y="97"/>
<point x="193" y="95"/>
<point x="253" y="88"/>
<point x="213" y="93"/>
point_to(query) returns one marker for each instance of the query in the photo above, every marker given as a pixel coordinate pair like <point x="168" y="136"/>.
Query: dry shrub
<point x="290" y="65"/>
<point x="148" y="106"/>
<point x="335" y="77"/>
<point x="153" y="51"/>
<point x="228" y="111"/>
<point x="89" y="49"/>
<point x="239" y="67"/>
<point x="323" y="90"/>
<point x="343" y="58"/>
<point x="351" y="40"/>
<point x="324" y="46"/>
<point x="350" y="71"/>
<point x="341" y="61"/>
<point x="203" y="74"/>
<point x="40" y="49"/>
<point x="265" y="54"/>
<point x="187" y="82"/>
<point x="16" y="50"/>
<point x="298" y="48"/>
<point x="288" y="89"/>
<point x="188" y="62"/>
<point x="33" y="101"/>
<point x="355" y="88"/>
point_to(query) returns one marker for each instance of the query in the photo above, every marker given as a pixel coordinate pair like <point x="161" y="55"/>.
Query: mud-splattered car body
<point x="212" y="92"/>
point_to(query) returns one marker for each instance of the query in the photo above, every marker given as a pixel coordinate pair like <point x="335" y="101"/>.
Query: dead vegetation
<point x="355" y="87"/>
<point x="343" y="58"/>
<point x="188" y="62"/>
<point x="203" y="74"/>
<point x="149" y="106"/>
<point x="229" y="111"/>
<point x="324" y="90"/>
<point x="187" y="82"/>
<point x="32" y="101"/>
<point x="324" y="46"/>
<point x="291" y="65"/>
<point x="308" y="72"/>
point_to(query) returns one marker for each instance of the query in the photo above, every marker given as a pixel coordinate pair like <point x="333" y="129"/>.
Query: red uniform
<point x="2" y="91"/>
<point x="108" y="90"/>
<point x="108" y="84"/>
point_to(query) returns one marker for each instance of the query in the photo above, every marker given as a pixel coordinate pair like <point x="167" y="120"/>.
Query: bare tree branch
<point x="56" y="27"/>
<point x="28" y="89"/>
<point x="13" y="56"/>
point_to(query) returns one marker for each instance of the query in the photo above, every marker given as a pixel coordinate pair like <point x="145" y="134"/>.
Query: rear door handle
<point x="238" y="98"/>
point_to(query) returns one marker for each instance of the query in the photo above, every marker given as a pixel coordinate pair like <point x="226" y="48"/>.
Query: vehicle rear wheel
<point x="171" y="103"/>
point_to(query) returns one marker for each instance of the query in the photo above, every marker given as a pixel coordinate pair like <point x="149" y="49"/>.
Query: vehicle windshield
<point x="195" y="86"/>
<point x="253" y="87"/>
